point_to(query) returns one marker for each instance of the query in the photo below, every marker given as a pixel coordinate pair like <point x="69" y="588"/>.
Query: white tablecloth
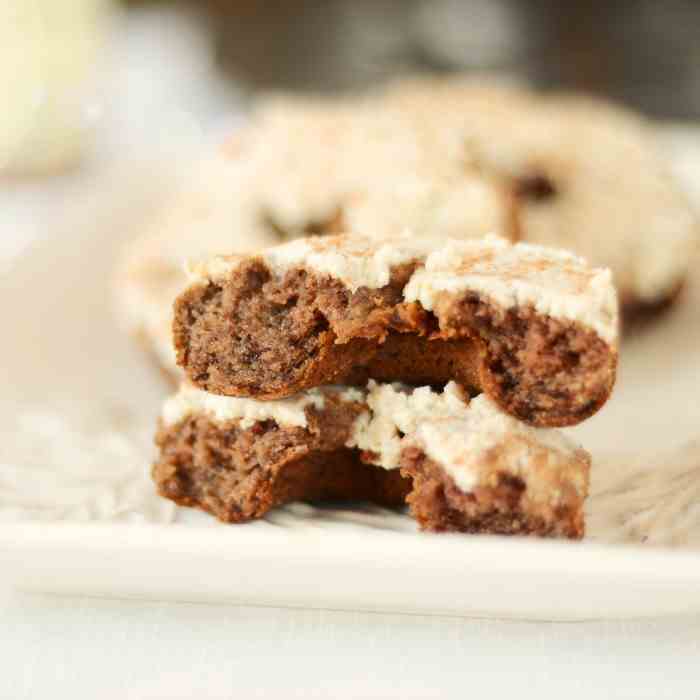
<point x="54" y="647"/>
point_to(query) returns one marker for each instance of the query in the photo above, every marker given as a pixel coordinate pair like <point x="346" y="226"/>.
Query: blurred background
<point x="643" y="52"/>
<point x="90" y="85"/>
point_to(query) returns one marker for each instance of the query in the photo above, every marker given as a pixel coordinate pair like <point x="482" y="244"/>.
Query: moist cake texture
<point x="460" y="465"/>
<point x="213" y="457"/>
<point x="534" y="328"/>
<point x="503" y="475"/>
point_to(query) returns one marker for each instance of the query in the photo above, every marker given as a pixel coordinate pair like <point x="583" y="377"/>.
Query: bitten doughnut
<point x="305" y="167"/>
<point x="461" y="466"/>
<point x="534" y="328"/>
<point x="455" y="158"/>
<point x="238" y="458"/>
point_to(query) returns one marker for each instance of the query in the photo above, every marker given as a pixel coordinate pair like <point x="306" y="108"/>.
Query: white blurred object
<point x="49" y="53"/>
<point x="682" y="144"/>
<point x="110" y="84"/>
<point x="484" y="34"/>
<point x="152" y="103"/>
<point x="160" y="94"/>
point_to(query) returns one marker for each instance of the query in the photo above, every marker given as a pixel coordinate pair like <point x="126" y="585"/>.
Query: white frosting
<point x="358" y="261"/>
<point x="215" y="268"/>
<point x="350" y="394"/>
<point x="469" y="448"/>
<point x="469" y="440"/>
<point x="555" y="282"/>
<point x="288" y="412"/>
<point x="394" y="409"/>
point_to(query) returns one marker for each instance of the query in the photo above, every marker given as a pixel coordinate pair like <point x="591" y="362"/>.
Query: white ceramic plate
<point x="113" y="537"/>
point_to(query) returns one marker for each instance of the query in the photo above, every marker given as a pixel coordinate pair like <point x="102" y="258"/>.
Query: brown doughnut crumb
<point x="438" y="505"/>
<point x="239" y="475"/>
<point x="258" y="335"/>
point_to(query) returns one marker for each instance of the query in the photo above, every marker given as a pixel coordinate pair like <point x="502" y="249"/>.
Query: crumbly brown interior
<point x="420" y="361"/>
<point x="259" y="336"/>
<point x="240" y="474"/>
<point x="253" y="335"/>
<point x="545" y="371"/>
<point x="438" y="505"/>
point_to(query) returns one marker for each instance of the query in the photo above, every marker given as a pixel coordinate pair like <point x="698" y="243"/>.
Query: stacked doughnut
<point x="413" y="368"/>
